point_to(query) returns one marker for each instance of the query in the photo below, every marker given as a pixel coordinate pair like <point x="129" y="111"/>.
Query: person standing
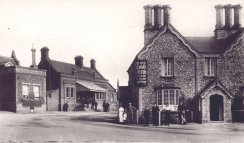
<point x="146" y="116"/>
<point x="155" y="116"/>
<point x="104" y="106"/>
<point x="95" y="105"/>
<point x="181" y="113"/>
<point x="167" y="115"/>
<point x="121" y="112"/>
<point x="131" y="110"/>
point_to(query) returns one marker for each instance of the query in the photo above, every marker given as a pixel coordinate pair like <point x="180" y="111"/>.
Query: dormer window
<point x="210" y="66"/>
<point x="167" y="67"/>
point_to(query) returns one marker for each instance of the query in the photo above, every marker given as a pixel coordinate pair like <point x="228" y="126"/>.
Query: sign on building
<point x="141" y="72"/>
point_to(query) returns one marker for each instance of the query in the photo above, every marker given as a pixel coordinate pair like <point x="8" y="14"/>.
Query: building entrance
<point x="216" y="108"/>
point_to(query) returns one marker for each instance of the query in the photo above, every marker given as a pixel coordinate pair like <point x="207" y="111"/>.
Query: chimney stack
<point x="44" y="54"/>
<point x="219" y="16"/>
<point x="237" y="16"/>
<point x="79" y="61"/>
<point x="157" y="16"/>
<point x="93" y="64"/>
<point x="33" y="58"/>
<point x="13" y="55"/>
<point x="228" y="16"/>
<point x="148" y="16"/>
<point x="166" y="9"/>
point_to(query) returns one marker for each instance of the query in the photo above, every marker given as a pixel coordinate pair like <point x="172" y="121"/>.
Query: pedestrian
<point x="167" y="115"/>
<point x="181" y="114"/>
<point x="155" y="114"/>
<point x="107" y="107"/>
<point x="125" y="115"/>
<point x="146" y="116"/>
<point x="95" y="105"/>
<point x="92" y="103"/>
<point x="104" y="106"/>
<point x="130" y="116"/>
<point x="121" y="112"/>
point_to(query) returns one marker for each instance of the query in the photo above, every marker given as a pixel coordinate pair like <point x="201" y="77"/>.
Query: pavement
<point x="102" y="127"/>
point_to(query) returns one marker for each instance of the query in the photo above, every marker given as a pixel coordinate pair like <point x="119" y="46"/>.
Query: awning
<point x="89" y="86"/>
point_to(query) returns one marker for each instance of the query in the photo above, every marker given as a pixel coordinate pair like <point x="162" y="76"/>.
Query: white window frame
<point x="25" y="93"/>
<point x="166" y="97"/>
<point x="167" y="67"/>
<point x="36" y="92"/>
<point x="210" y="66"/>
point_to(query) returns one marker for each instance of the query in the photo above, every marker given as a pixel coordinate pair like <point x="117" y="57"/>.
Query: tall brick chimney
<point x="157" y="16"/>
<point x="237" y="16"/>
<point x="44" y="54"/>
<point x="219" y="16"/>
<point x="33" y="65"/>
<point x="166" y="9"/>
<point x="79" y="61"/>
<point x="93" y="64"/>
<point x="228" y="16"/>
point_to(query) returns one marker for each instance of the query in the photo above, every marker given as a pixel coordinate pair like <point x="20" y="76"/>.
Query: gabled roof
<point x="213" y="45"/>
<point x="6" y="60"/>
<point x="213" y="84"/>
<point x="80" y="72"/>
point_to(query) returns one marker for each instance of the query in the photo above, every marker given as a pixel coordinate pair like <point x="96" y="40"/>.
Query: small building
<point x="206" y="73"/>
<point x="21" y="88"/>
<point x="75" y="84"/>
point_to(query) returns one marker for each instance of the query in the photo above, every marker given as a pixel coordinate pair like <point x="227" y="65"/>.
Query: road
<point x="76" y="127"/>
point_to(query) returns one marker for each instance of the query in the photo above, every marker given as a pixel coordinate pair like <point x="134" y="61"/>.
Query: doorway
<point x="216" y="108"/>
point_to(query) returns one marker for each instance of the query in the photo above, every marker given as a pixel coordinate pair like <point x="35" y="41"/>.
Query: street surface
<point x="76" y="127"/>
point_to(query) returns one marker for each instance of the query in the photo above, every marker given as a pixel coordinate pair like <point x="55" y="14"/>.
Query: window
<point x="210" y="64"/>
<point x="167" y="67"/>
<point x="67" y="92"/>
<point x="36" y="90"/>
<point x="71" y="92"/>
<point x="25" y="90"/>
<point x="159" y="97"/>
<point x="170" y="96"/>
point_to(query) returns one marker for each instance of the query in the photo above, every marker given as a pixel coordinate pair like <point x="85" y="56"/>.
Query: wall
<point x="167" y="45"/>
<point x="53" y="100"/>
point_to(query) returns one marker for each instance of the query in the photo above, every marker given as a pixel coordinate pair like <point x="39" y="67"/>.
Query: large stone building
<point x="75" y="84"/>
<point x="21" y="88"/>
<point x="206" y="73"/>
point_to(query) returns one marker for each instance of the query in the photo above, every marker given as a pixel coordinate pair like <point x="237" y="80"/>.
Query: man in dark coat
<point x="146" y="116"/>
<point x="155" y="114"/>
<point x="181" y="113"/>
<point x="131" y="111"/>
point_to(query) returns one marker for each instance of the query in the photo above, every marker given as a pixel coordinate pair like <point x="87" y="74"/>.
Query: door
<point x="216" y="108"/>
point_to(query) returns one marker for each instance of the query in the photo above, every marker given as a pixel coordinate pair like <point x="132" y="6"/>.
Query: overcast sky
<point x="110" y="31"/>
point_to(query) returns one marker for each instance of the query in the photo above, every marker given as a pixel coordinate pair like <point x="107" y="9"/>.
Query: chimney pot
<point x="44" y="54"/>
<point x="93" y="64"/>
<point x="166" y="9"/>
<point x="219" y="16"/>
<point x="228" y="16"/>
<point x="237" y="16"/>
<point x="157" y="16"/>
<point x="79" y="61"/>
<point x="33" y="58"/>
<point x="148" y="16"/>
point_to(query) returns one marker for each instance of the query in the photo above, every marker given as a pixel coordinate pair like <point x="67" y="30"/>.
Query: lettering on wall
<point x="141" y="72"/>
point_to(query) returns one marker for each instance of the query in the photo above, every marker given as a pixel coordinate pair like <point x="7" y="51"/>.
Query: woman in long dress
<point x="121" y="112"/>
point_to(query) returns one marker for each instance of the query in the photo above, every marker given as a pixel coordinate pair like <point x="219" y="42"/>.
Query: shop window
<point x="210" y="66"/>
<point x="167" y="66"/>
<point x="25" y="90"/>
<point x="168" y="96"/>
<point x="36" y="90"/>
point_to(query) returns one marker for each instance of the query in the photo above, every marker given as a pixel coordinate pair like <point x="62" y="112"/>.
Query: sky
<point x="109" y="31"/>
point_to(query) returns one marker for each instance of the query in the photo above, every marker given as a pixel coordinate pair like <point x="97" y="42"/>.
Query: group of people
<point x="105" y="106"/>
<point x="126" y="116"/>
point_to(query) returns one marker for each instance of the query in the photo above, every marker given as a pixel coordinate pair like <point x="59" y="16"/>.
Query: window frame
<point x="28" y="90"/>
<point x="165" y="95"/>
<point x="210" y="66"/>
<point x="39" y="91"/>
<point x="167" y="67"/>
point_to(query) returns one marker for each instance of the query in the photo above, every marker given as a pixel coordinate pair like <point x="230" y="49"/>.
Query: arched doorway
<point x="216" y="108"/>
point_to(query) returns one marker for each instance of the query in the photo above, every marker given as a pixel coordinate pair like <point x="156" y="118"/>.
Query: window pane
<point x="166" y="97"/>
<point x="159" y="93"/>
<point x="25" y="90"/>
<point x="72" y="92"/>
<point x="212" y="66"/>
<point x="171" y="97"/>
<point x="67" y="92"/>
<point x="36" y="91"/>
